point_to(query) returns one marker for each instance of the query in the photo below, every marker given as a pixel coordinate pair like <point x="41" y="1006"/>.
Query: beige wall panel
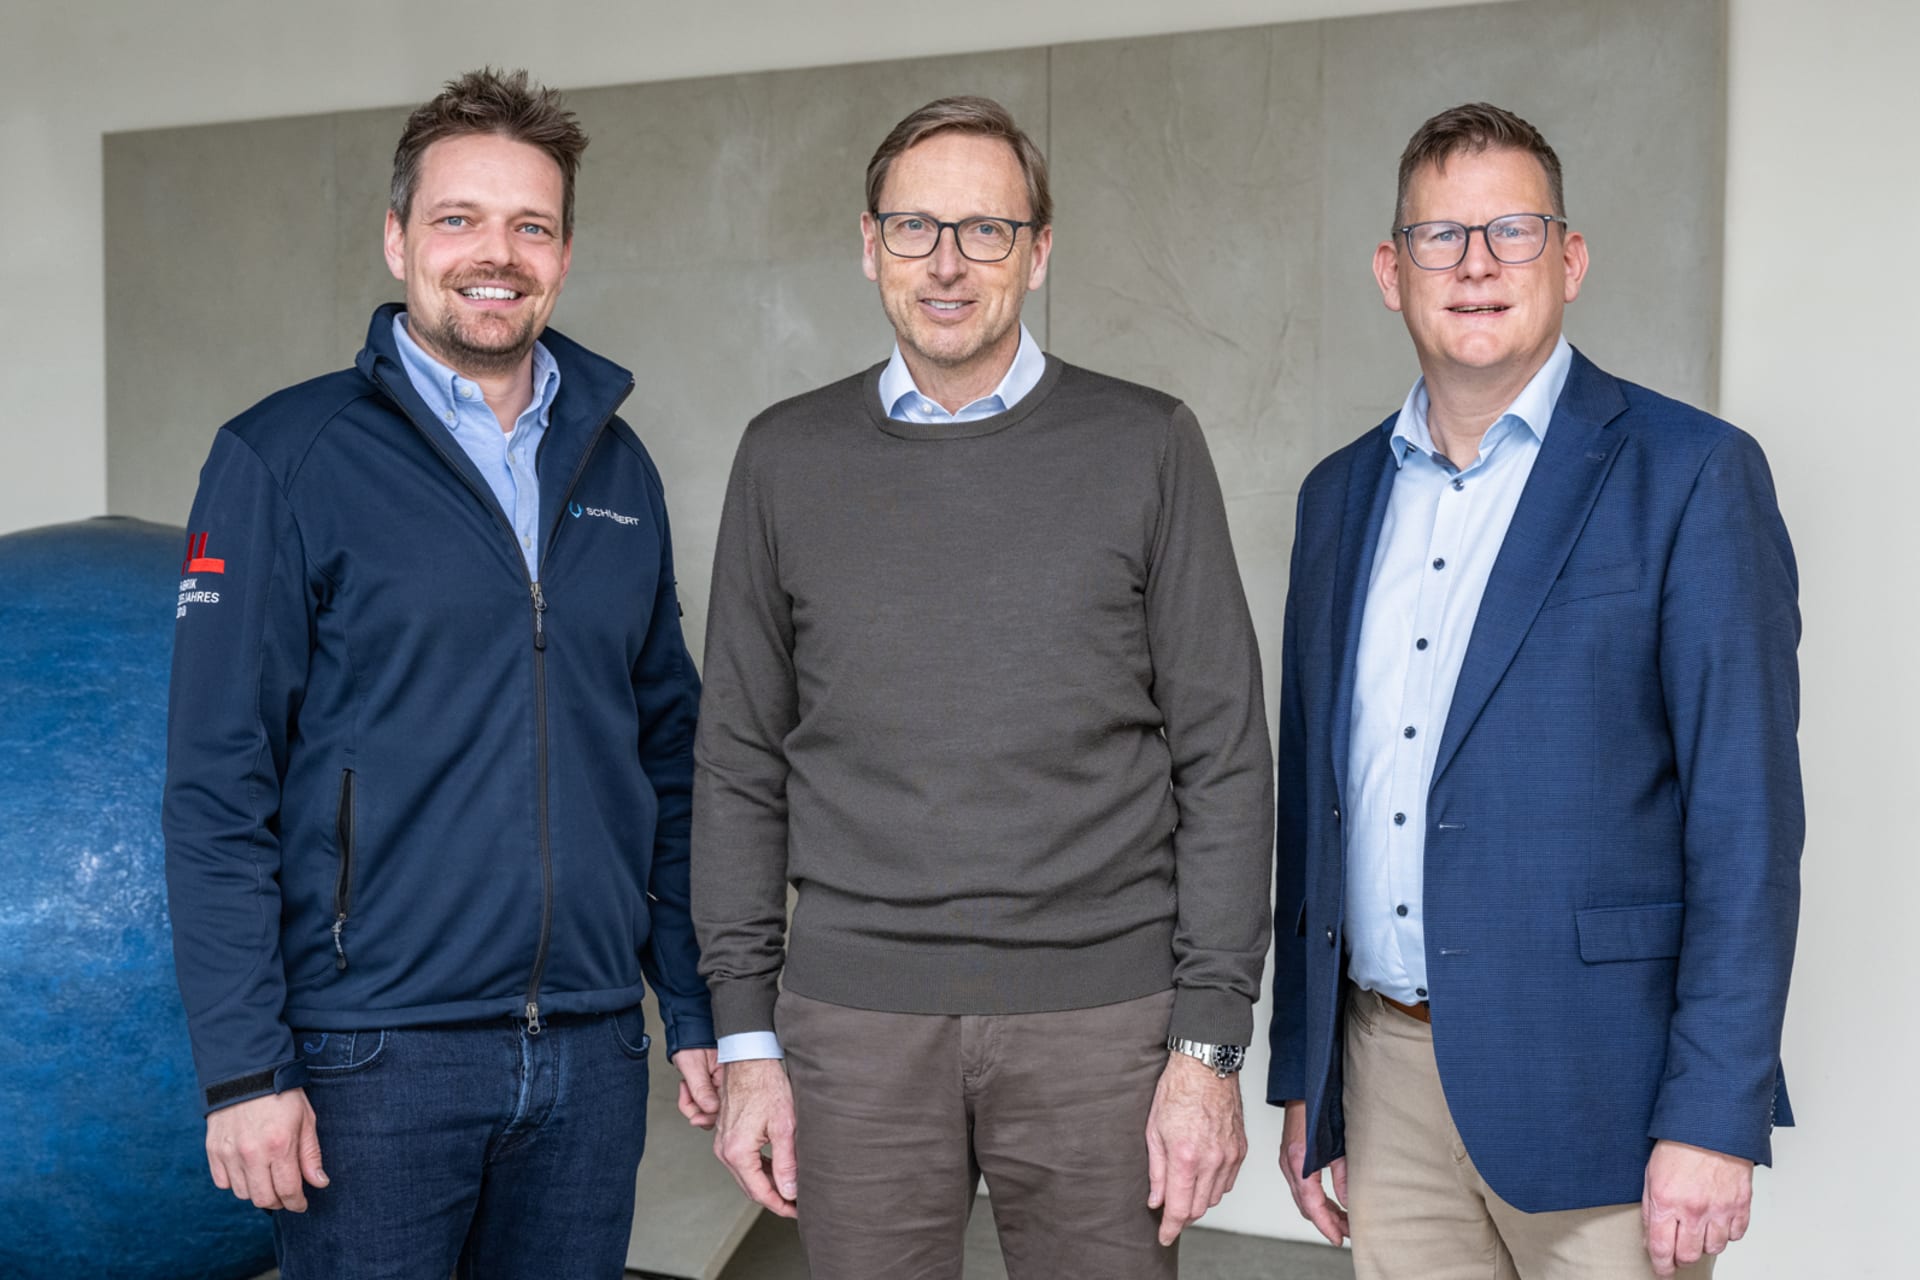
<point x="1630" y="94"/>
<point x="220" y="287"/>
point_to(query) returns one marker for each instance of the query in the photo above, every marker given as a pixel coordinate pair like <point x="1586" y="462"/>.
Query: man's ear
<point x="870" y="246"/>
<point x="1042" y="254"/>
<point x="1574" y="254"/>
<point x="1386" y="270"/>
<point x="395" y="244"/>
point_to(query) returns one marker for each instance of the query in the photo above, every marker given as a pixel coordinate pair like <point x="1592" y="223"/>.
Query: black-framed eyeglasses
<point x="917" y="235"/>
<point x="1516" y="239"/>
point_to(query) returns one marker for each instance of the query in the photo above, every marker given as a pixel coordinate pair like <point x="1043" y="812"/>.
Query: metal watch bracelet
<point x="1224" y="1059"/>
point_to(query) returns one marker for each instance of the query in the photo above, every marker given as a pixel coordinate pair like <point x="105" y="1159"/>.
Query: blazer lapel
<point x="1369" y="484"/>
<point x="1574" y="460"/>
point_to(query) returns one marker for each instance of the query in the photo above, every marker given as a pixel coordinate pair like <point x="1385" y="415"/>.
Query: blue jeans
<point x="478" y="1151"/>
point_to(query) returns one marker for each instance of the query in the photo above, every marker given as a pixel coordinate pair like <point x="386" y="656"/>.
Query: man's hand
<point x="699" y="1086"/>
<point x="1329" y="1217"/>
<point x="266" y="1150"/>
<point x="756" y="1110"/>
<point x="1196" y="1139"/>
<point x="1695" y="1202"/>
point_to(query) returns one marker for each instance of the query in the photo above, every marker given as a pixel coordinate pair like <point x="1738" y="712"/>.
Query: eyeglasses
<point x="916" y="235"/>
<point x="1515" y="240"/>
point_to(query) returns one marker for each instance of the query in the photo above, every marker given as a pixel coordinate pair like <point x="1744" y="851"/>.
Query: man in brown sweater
<point x="982" y="687"/>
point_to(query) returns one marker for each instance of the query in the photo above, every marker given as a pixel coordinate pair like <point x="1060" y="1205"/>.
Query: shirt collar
<point x="440" y="386"/>
<point x="903" y="400"/>
<point x="1532" y="408"/>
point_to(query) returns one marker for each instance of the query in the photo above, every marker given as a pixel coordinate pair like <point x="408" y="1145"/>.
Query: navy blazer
<point x="1614" y="827"/>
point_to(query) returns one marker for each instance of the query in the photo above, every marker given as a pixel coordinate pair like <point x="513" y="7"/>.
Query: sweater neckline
<point x="924" y="431"/>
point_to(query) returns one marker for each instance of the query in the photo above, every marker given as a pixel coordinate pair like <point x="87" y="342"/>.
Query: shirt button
<point x="449" y="417"/>
<point x="1400" y="910"/>
<point x="1407" y="732"/>
<point x="1421" y="992"/>
<point x="1399" y="819"/>
<point x="1459" y="485"/>
<point x="466" y="393"/>
<point x="1421" y="643"/>
<point x="1440" y="562"/>
<point x="526" y="542"/>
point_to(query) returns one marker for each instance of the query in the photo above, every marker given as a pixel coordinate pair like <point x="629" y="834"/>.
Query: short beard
<point x="466" y="356"/>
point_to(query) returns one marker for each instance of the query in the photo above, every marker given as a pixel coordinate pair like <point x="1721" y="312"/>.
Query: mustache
<point x="517" y="281"/>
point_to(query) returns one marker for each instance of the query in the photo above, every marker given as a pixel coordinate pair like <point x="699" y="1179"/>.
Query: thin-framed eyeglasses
<point x="1516" y="239"/>
<point x="917" y="235"/>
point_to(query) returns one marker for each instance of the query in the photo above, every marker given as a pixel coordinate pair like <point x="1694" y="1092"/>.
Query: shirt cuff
<point x="744" y="1045"/>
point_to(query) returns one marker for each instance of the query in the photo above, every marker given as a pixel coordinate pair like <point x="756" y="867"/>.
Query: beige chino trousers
<point x="1419" y="1210"/>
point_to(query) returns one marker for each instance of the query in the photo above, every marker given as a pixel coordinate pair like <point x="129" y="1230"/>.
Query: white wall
<point x="1820" y="337"/>
<point x="1821" y="345"/>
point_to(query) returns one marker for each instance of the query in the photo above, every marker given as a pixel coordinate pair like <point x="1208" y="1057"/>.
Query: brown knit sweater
<point x="987" y="695"/>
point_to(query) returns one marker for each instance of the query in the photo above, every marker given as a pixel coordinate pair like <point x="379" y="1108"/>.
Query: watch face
<point x="1227" y="1058"/>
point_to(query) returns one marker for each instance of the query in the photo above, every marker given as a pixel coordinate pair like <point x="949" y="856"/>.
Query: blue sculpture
<point x="103" y="1169"/>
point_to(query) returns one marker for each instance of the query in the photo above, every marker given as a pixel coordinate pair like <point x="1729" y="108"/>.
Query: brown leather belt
<point x="1423" y="1011"/>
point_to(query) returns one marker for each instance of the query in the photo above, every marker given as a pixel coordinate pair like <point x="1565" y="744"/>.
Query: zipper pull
<point x="539" y="625"/>
<point x="533" y="1018"/>
<point x="339" y="947"/>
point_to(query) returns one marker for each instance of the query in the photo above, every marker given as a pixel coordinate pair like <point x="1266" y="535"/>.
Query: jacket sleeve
<point x="241" y="642"/>
<point x="1287" y="1031"/>
<point x="667" y="695"/>
<point x="740" y="788"/>
<point x="1729" y="625"/>
<point x="1206" y="682"/>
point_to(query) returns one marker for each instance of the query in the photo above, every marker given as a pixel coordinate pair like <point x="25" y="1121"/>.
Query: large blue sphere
<point x="103" y="1169"/>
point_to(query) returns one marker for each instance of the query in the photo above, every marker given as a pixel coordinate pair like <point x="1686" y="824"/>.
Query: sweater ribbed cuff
<point x="743" y="1004"/>
<point x="1211" y="1016"/>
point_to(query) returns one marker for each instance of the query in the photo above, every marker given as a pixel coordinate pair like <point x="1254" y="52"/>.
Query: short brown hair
<point x="489" y="101"/>
<point x="1473" y="128"/>
<point x="982" y="116"/>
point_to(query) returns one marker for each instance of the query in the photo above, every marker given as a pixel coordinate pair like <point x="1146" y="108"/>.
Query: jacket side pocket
<point x="343" y="885"/>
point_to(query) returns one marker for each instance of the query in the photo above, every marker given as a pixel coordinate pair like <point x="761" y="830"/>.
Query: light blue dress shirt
<point x="506" y="459"/>
<point x="1442" y="532"/>
<point x="904" y="403"/>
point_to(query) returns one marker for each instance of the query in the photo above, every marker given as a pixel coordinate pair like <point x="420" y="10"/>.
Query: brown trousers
<point x="898" y="1116"/>
<point x="1421" y="1211"/>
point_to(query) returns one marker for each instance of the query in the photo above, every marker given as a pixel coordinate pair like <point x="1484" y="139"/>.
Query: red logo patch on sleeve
<point x="196" y="561"/>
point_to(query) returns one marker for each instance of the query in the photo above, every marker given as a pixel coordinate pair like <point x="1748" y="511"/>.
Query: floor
<point x="771" y="1251"/>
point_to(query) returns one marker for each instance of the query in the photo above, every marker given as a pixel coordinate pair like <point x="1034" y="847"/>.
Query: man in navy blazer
<point x="1539" y="798"/>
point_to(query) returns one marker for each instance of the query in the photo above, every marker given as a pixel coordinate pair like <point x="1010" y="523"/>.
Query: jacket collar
<point x="591" y="391"/>
<point x="1575" y="457"/>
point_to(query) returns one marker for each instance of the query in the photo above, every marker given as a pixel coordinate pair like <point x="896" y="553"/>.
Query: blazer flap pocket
<point x="1583" y="583"/>
<point x="1630" y="933"/>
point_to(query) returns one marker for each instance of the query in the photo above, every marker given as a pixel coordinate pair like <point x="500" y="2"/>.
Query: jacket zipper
<point x="539" y="600"/>
<point x="540" y="773"/>
<point x="539" y="606"/>
<point x="343" y="887"/>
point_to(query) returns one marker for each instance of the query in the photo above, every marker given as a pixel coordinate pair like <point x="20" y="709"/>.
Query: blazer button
<point x="1329" y="936"/>
<point x="1336" y="813"/>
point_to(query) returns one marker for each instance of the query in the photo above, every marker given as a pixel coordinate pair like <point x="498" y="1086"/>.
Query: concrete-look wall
<point x="1219" y="195"/>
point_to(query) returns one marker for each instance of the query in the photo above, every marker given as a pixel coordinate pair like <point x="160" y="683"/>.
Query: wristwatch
<point x="1225" y="1059"/>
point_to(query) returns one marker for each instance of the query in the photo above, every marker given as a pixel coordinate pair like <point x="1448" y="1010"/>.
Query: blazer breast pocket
<point x="1610" y="934"/>
<point x="1584" y="584"/>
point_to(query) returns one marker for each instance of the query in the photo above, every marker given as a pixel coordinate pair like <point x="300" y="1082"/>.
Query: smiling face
<point x="1484" y="320"/>
<point x="957" y="321"/>
<point x="481" y="252"/>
